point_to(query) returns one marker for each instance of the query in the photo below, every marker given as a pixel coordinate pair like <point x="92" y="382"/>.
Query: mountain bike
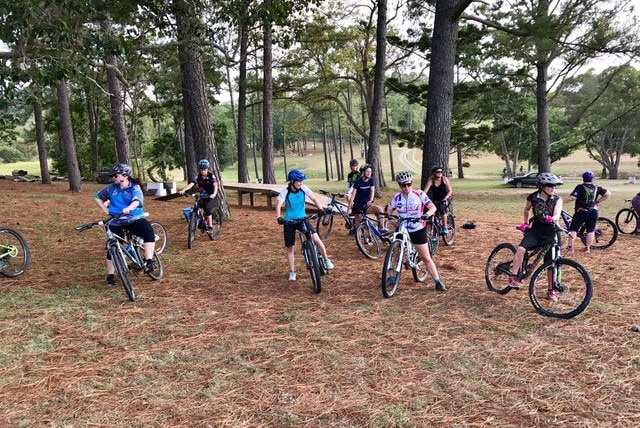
<point x="402" y="252"/>
<point x="324" y="225"/>
<point x="567" y="278"/>
<point x="313" y="261"/>
<point x="127" y="255"/>
<point x="370" y="238"/>
<point x="606" y="231"/>
<point x="14" y="253"/>
<point x="434" y="230"/>
<point x="198" y="220"/>
<point x="626" y="219"/>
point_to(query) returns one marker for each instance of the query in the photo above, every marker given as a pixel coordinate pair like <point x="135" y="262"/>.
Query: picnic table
<point x="267" y="190"/>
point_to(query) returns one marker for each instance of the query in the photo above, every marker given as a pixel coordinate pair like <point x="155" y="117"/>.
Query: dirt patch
<point x="226" y="340"/>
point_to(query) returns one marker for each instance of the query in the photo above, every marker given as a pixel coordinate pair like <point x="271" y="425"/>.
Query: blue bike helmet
<point x="203" y="164"/>
<point x="296" y="175"/>
<point x="588" y="176"/>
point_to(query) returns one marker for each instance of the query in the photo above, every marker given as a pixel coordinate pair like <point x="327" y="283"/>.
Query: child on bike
<point x="547" y="208"/>
<point x="362" y="196"/>
<point x="353" y="174"/>
<point x="293" y="199"/>
<point x="125" y="196"/>
<point x="207" y="184"/>
<point x="438" y="188"/>
<point x="587" y="196"/>
<point x="412" y="203"/>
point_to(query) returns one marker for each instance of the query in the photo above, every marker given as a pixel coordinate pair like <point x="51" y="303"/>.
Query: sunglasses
<point x="550" y="185"/>
<point x="438" y="172"/>
<point x="405" y="184"/>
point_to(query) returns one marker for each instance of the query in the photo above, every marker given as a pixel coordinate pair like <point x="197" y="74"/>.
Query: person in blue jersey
<point x="292" y="198"/>
<point x="438" y="188"/>
<point x="587" y="196"/>
<point x="207" y="185"/>
<point x="362" y="197"/>
<point x="125" y="197"/>
<point x="546" y="207"/>
<point x="413" y="203"/>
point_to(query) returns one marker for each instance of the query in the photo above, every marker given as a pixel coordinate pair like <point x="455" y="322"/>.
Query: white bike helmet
<point x="404" y="177"/>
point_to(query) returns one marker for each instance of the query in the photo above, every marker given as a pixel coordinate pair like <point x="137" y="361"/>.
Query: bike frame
<point x="406" y="247"/>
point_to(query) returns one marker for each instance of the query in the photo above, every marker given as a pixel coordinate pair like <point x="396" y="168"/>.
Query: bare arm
<point x="431" y="209"/>
<point x="525" y="212"/>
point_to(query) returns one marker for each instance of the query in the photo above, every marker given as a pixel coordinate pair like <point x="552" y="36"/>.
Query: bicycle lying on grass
<point x="568" y="279"/>
<point x="198" y="220"/>
<point x="606" y="232"/>
<point x="127" y="255"/>
<point x="14" y="253"/>
<point x="627" y="219"/>
<point x="313" y="261"/>
<point x="402" y="252"/>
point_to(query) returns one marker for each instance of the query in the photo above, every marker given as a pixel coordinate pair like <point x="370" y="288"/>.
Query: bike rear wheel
<point x="368" y="242"/>
<point x="161" y="236"/>
<point x="119" y="262"/>
<point x="158" y="272"/>
<point x="432" y="236"/>
<point x="450" y="236"/>
<point x="419" y="270"/>
<point x="606" y="234"/>
<point x="626" y="220"/>
<point x="392" y="269"/>
<point x="215" y="228"/>
<point x="14" y="253"/>
<point x="571" y="284"/>
<point x="499" y="268"/>
<point x="193" y="224"/>
<point x="324" y="225"/>
<point x="311" y="254"/>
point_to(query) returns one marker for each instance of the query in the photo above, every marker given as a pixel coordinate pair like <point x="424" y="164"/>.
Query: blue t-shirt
<point x="119" y="199"/>
<point x="294" y="202"/>
<point x="363" y="192"/>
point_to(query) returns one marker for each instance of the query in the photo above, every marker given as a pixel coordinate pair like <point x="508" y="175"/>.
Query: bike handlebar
<point x="333" y="195"/>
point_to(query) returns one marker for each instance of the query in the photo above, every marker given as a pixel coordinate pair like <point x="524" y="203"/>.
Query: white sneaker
<point x="292" y="276"/>
<point x="328" y="264"/>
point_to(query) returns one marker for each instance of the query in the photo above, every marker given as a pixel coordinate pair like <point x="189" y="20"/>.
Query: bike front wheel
<point x="215" y="229"/>
<point x="570" y="284"/>
<point x="311" y="254"/>
<point x="14" y="253"/>
<point x="419" y="269"/>
<point x="450" y="236"/>
<point x="120" y="264"/>
<point x="160" y="233"/>
<point x="324" y="225"/>
<point x="392" y="269"/>
<point x="193" y="225"/>
<point x="368" y="242"/>
<point x="498" y="269"/>
<point x="606" y="234"/>
<point x="626" y="220"/>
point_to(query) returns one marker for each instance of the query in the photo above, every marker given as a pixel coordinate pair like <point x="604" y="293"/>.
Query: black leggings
<point x="141" y="228"/>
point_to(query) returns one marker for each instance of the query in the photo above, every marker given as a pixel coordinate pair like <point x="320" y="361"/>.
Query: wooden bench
<point x="268" y="190"/>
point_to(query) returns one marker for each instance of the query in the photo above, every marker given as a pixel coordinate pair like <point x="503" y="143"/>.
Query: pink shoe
<point x="551" y="295"/>
<point x="586" y="250"/>
<point x="514" y="283"/>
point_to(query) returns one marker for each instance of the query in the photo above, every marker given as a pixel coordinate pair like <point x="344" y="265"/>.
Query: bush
<point x="11" y="155"/>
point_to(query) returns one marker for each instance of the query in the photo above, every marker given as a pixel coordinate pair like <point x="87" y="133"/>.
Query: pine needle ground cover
<point x="225" y="340"/>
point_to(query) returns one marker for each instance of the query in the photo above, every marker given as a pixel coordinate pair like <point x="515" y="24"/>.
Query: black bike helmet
<point x="123" y="168"/>
<point x="365" y="166"/>
<point x="353" y="162"/>
<point x="435" y="168"/>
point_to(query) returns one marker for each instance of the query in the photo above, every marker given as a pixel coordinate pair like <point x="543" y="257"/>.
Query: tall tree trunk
<point x="193" y="84"/>
<point x="268" y="174"/>
<point x="336" y="147"/>
<point x="68" y="143"/>
<point x="94" y="128"/>
<point x="386" y="115"/>
<point x="324" y="150"/>
<point x="42" y="147"/>
<point x="117" y="111"/>
<point x="241" y="141"/>
<point x="544" y="143"/>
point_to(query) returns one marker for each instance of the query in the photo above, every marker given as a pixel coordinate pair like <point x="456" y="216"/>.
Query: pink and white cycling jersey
<point x="411" y="206"/>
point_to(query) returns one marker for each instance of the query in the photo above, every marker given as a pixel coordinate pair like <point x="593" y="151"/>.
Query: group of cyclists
<point x="124" y="199"/>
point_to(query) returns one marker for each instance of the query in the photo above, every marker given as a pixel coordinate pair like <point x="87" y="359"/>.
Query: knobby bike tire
<point x="313" y="266"/>
<point x="161" y="236"/>
<point x="419" y="269"/>
<point x="499" y="266"/>
<point x="573" y="288"/>
<point x="216" y="227"/>
<point x="433" y="238"/>
<point x="158" y="273"/>
<point x="392" y="269"/>
<point x="449" y="237"/>
<point x="119" y="262"/>
<point x="606" y="234"/>
<point x="16" y="257"/>
<point x="324" y="225"/>
<point x="193" y="225"/>
<point x="368" y="242"/>
<point x="626" y="220"/>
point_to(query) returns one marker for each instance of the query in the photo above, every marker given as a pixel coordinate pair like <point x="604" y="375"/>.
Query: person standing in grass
<point x="292" y="198"/>
<point x="587" y="196"/>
